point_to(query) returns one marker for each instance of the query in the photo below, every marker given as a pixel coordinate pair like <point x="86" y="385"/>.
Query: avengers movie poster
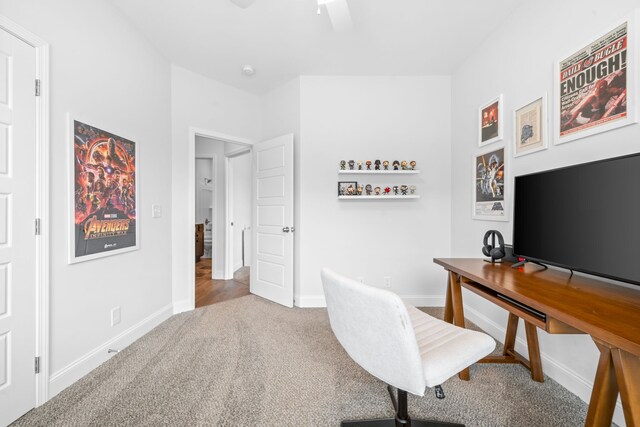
<point x="104" y="185"/>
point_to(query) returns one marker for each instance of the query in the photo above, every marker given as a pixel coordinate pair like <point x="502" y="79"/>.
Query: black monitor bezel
<point x="543" y="261"/>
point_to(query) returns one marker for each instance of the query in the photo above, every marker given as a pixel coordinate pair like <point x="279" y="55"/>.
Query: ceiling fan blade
<point x="338" y="11"/>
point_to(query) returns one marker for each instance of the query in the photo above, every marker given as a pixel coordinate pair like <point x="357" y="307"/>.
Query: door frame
<point x="191" y="198"/>
<point x="42" y="203"/>
<point x="228" y="199"/>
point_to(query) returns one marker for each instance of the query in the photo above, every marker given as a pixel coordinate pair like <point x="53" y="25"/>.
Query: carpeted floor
<point x="249" y="362"/>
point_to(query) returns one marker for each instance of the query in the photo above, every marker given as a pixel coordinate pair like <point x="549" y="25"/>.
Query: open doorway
<point x="222" y="220"/>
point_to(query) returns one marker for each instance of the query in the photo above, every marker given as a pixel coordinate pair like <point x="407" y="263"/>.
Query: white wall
<point x="242" y="188"/>
<point x="361" y="118"/>
<point x="517" y="60"/>
<point x="112" y="78"/>
<point x="202" y="103"/>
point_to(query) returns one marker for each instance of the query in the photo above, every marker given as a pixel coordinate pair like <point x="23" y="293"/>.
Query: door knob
<point x="285" y="229"/>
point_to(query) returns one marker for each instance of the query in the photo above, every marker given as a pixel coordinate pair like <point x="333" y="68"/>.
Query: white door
<point x="17" y="234"/>
<point x="272" y="265"/>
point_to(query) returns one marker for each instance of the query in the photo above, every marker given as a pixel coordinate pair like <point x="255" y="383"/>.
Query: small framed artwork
<point x="595" y="85"/>
<point x="490" y="122"/>
<point x="347" y="188"/>
<point x="489" y="186"/>
<point x="530" y="127"/>
<point x="103" y="193"/>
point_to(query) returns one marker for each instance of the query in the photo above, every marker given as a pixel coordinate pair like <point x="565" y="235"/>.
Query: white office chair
<point x="398" y="344"/>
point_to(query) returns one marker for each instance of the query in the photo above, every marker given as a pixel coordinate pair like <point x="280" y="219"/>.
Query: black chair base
<point x="391" y="422"/>
<point x="402" y="418"/>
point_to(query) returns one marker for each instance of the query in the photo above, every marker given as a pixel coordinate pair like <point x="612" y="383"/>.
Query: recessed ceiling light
<point x="248" y="70"/>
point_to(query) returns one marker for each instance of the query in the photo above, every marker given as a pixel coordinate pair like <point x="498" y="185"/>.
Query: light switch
<point x="156" y="211"/>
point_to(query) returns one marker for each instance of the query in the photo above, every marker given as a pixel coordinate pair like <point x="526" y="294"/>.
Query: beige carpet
<point x="249" y="362"/>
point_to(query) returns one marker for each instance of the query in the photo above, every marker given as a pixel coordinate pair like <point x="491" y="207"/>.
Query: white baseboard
<point x="85" y="364"/>
<point x="237" y="266"/>
<point x="314" y="301"/>
<point x="182" y="306"/>
<point x="424" y="300"/>
<point x="562" y="374"/>
<point x="415" y="300"/>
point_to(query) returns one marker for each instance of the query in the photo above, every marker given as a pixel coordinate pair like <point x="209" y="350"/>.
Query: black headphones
<point x="491" y="250"/>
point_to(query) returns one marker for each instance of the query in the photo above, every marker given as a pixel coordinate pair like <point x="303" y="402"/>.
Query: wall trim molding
<point x="237" y="266"/>
<point x="561" y="373"/>
<point x="313" y="301"/>
<point x="318" y="301"/>
<point x="182" y="306"/>
<point x="424" y="300"/>
<point x="80" y="367"/>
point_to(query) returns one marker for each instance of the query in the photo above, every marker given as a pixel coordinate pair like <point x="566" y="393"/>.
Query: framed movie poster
<point x="489" y="186"/>
<point x="104" y="193"/>
<point x="530" y="127"/>
<point x="490" y="122"/>
<point x="596" y="85"/>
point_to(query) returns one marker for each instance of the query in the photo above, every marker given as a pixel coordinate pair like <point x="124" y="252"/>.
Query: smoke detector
<point x="243" y="4"/>
<point x="248" y="70"/>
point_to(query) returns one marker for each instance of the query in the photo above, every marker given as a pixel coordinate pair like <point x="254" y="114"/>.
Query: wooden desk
<point x="609" y="313"/>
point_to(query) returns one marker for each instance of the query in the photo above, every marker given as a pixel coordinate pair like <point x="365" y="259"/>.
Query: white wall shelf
<point x="375" y="172"/>
<point x="380" y="197"/>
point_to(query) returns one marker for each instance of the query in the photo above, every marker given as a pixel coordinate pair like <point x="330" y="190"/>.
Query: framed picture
<point x="347" y="188"/>
<point x="595" y="86"/>
<point x="489" y="186"/>
<point x="530" y="127"/>
<point x="490" y="122"/>
<point x="103" y="193"/>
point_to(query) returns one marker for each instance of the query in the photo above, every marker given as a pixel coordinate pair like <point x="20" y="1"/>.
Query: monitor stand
<point x="524" y="261"/>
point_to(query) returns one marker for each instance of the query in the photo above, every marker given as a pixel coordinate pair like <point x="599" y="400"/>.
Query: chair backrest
<point x="374" y="328"/>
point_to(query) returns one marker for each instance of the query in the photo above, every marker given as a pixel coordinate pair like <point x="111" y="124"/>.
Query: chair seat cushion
<point x="446" y="349"/>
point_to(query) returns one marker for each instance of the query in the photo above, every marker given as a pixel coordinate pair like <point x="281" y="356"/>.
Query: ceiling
<point x="283" y="39"/>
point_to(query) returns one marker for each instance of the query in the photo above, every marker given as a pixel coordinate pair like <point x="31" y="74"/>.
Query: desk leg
<point x="534" y="352"/>
<point x="509" y="354"/>
<point x="458" y="311"/>
<point x="627" y="367"/>
<point x="510" y="337"/>
<point x="617" y="371"/>
<point x="448" y="308"/>
<point x="605" y="390"/>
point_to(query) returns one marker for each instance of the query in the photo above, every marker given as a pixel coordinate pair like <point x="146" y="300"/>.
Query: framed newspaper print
<point x="103" y="192"/>
<point x="595" y="86"/>
<point x="530" y="127"/>
<point x="490" y="185"/>
<point x="490" y="122"/>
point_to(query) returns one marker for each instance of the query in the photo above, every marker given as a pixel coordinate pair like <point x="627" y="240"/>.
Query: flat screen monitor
<point x="584" y="217"/>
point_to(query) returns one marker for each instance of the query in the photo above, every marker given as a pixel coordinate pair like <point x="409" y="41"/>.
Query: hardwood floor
<point x="210" y="291"/>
